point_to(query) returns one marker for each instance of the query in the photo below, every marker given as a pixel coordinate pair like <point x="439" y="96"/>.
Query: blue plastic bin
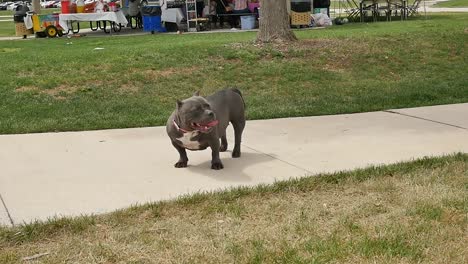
<point x="152" y="24"/>
<point x="247" y="22"/>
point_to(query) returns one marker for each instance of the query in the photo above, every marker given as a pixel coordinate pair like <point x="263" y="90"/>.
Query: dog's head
<point x="196" y="113"/>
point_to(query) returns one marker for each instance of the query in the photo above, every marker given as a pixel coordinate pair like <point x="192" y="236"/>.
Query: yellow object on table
<point x="80" y="6"/>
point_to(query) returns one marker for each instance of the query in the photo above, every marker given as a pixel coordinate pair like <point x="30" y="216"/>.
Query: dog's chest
<point x="188" y="140"/>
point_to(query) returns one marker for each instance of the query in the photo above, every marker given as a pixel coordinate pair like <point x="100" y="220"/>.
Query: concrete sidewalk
<point x="75" y="173"/>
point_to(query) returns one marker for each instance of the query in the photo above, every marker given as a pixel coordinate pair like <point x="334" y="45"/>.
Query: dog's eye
<point x="206" y="106"/>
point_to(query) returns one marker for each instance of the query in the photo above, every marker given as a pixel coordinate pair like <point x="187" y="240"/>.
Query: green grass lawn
<point x="6" y="13"/>
<point x="413" y="212"/>
<point x="452" y="3"/>
<point x="7" y="29"/>
<point x="60" y="84"/>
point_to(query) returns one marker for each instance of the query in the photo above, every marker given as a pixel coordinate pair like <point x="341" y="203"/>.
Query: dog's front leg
<point x="216" y="163"/>
<point x="183" y="160"/>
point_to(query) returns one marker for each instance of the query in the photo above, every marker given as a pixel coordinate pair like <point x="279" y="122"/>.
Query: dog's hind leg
<point x="224" y="143"/>
<point x="238" y="129"/>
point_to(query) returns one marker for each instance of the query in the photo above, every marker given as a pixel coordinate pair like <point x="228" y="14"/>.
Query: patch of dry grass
<point x="124" y="84"/>
<point x="405" y="213"/>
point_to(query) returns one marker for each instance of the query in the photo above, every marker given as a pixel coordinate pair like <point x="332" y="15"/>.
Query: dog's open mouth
<point x="204" y="127"/>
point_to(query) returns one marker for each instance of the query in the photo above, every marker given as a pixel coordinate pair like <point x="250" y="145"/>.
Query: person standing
<point x="240" y="7"/>
<point x="200" y="6"/>
<point x="223" y="7"/>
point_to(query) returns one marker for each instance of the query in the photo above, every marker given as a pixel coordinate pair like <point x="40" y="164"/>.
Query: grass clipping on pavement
<point x="403" y="213"/>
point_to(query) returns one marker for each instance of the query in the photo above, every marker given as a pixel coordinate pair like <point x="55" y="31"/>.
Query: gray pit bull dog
<point x="199" y="122"/>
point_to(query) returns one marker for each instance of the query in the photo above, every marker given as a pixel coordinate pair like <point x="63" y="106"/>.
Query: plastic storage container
<point x="152" y="24"/>
<point x="247" y="22"/>
<point x="152" y="19"/>
<point x="65" y="6"/>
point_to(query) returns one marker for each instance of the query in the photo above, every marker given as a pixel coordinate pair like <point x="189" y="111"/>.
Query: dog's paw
<point x="223" y="148"/>
<point x="236" y="153"/>
<point x="217" y="165"/>
<point x="181" y="164"/>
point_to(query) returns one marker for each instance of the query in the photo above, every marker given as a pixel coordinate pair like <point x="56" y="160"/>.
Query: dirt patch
<point x="153" y="74"/>
<point x="307" y="44"/>
<point x="128" y="88"/>
<point x="9" y="50"/>
<point x="150" y="73"/>
<point x="337" y="53"/>
<point x="25" y="74"/>
<point x="25" y="89"/>
<point x="58" y="93"/>
<point x="62" y="91"/>
<point x="310" y="44"/>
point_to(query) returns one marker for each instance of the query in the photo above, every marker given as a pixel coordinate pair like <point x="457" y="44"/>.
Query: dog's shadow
<point x="235" y="169"/>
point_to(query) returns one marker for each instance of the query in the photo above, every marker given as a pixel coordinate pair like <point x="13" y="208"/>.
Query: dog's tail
<point x="237" y="91"/>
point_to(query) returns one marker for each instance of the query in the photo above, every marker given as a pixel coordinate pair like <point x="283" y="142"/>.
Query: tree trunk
<point x="36" y="6"/>
<point x="274" y="22"/>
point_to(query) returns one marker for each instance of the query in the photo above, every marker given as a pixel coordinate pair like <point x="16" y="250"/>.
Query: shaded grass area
<point x="414" y="212"/>
<point x="452" y="3"/>
<point x="135" y="81"/>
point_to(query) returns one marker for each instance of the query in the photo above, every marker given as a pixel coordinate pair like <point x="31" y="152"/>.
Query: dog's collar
<point x="179" y="128"/>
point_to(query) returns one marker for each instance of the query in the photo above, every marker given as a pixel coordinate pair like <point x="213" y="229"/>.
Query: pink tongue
<point x="212" y="123"/>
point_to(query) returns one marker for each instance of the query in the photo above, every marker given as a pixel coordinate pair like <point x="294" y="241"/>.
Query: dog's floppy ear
<point x="179" y="104"/>
<point x="197" y="93"/>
